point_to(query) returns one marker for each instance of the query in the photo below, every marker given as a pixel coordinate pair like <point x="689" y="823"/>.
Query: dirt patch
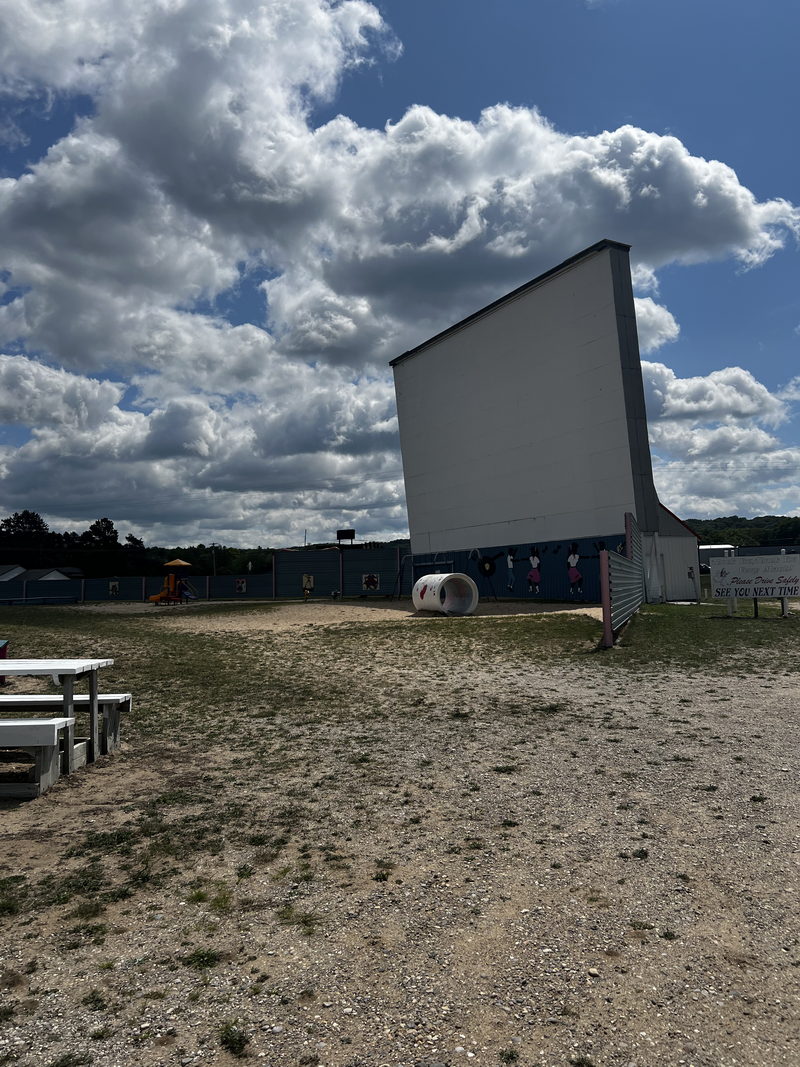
<point x="290" y="615"/>
<point x="344" y="834"/>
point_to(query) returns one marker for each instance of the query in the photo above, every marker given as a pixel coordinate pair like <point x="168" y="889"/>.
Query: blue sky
<point x="715" y="74"/>
<point x="221" y="220"/>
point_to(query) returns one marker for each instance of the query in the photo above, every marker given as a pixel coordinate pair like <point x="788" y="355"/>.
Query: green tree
<point x="101" y="534"/>
<point x="24" y="526"/>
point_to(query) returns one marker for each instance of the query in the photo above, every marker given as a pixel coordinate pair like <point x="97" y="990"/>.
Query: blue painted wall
<point x="559" y="576"/>
<point x="373" y="571"/>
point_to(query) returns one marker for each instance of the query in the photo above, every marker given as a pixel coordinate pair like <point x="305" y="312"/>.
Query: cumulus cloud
<point x="790" y="391"/>
<point x="713" y="443"/>
<point x="199" y="174"/>
<point x="730" y="393"/>
<point x="307" y="456"/>
<point x="655" y="324"/>
<point x="32" y="394"/>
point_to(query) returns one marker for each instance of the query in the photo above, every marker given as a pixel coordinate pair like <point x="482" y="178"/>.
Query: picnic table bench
<point x="110" y="706"/>
<point x="65" y="751"/>
<point x="51" y="741"/>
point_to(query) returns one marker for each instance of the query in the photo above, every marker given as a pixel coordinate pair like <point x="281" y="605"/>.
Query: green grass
<point x="701" y="636"/>
<point x="264" y="784"/>
<point x="162" y="665"/>
<point x="211" y="709"/>
<point x="202" y="959"/>
<point x="233" y="1038"/>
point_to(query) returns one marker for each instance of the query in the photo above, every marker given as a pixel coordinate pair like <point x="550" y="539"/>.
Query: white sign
<point x="755" y="576"/>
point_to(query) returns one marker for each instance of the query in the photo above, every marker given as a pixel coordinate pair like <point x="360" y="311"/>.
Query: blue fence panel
<point x="234" y="586"/>
<point x="99" y="589"/>
<point x="54" y="592"/>
<point x="10" y="591"/>
<point x="321" y="564"/>
<point x="370" y="571"/>
<point x="117" y="589"/>
<point x="350" y="571"/>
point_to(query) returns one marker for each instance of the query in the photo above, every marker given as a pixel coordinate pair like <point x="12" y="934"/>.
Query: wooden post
<point x="732" y="600"/>
<point x="605" y="599"/>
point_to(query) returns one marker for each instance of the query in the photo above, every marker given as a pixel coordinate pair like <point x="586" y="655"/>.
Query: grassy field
<point x="278" y="784"/>
<point x="247" y="699"/>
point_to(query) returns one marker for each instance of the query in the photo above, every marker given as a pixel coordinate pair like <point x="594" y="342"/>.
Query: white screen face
<point x="514" y="427"/>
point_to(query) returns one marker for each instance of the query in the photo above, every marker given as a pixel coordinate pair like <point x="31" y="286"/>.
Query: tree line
<point x="765" y="530"/>
<point x="98" y="552"/>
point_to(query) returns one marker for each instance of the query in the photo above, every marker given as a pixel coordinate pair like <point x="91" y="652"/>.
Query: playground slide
<point x="169" y="596"/>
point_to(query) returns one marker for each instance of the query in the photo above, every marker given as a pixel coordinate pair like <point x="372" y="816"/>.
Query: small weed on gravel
<point x="233" y="1038"/>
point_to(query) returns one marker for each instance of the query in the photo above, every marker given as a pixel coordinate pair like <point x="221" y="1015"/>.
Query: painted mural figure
<point x="574" y="575"/>
<point x="486" y="565"/>
<point x="535" y="573"/>
<point x="510" y="561"/>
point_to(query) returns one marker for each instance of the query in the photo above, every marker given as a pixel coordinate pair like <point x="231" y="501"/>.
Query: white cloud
<point x="318" y="450"/>
<point x="644" y="278"/>
<point x="790" y="391"/>
<point x="729" y="393"/>
<point x="713" y="449"/>
<point x="32" y="394"/>
<point x="655" y="324"/>
<point x="200" y="176"/>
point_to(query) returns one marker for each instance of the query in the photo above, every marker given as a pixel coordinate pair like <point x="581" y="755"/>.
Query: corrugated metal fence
<point x="622" y="584"/>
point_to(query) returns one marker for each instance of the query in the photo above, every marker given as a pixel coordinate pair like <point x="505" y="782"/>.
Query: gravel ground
<point x="455" y="859"/>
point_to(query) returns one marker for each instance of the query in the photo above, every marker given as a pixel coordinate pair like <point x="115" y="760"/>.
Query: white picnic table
<point x="64" y="673"/>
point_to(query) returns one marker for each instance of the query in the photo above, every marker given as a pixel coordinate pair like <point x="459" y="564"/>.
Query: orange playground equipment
<point x="176" y="589"/>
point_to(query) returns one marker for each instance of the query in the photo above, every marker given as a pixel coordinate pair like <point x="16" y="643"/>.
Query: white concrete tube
<point x="450" y="594"/>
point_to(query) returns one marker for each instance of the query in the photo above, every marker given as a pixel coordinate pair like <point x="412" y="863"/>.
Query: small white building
<point x="705" y="552"/>
<point x="672" y="570"/>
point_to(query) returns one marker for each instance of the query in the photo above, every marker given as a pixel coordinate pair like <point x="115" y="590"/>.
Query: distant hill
<point x="735" y="530"/>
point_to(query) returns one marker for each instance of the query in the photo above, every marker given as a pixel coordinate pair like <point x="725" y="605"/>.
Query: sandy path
<point x="292" y="615"/>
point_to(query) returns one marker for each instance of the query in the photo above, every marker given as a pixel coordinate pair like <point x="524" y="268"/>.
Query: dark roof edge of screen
<point x="591" y="250"/>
